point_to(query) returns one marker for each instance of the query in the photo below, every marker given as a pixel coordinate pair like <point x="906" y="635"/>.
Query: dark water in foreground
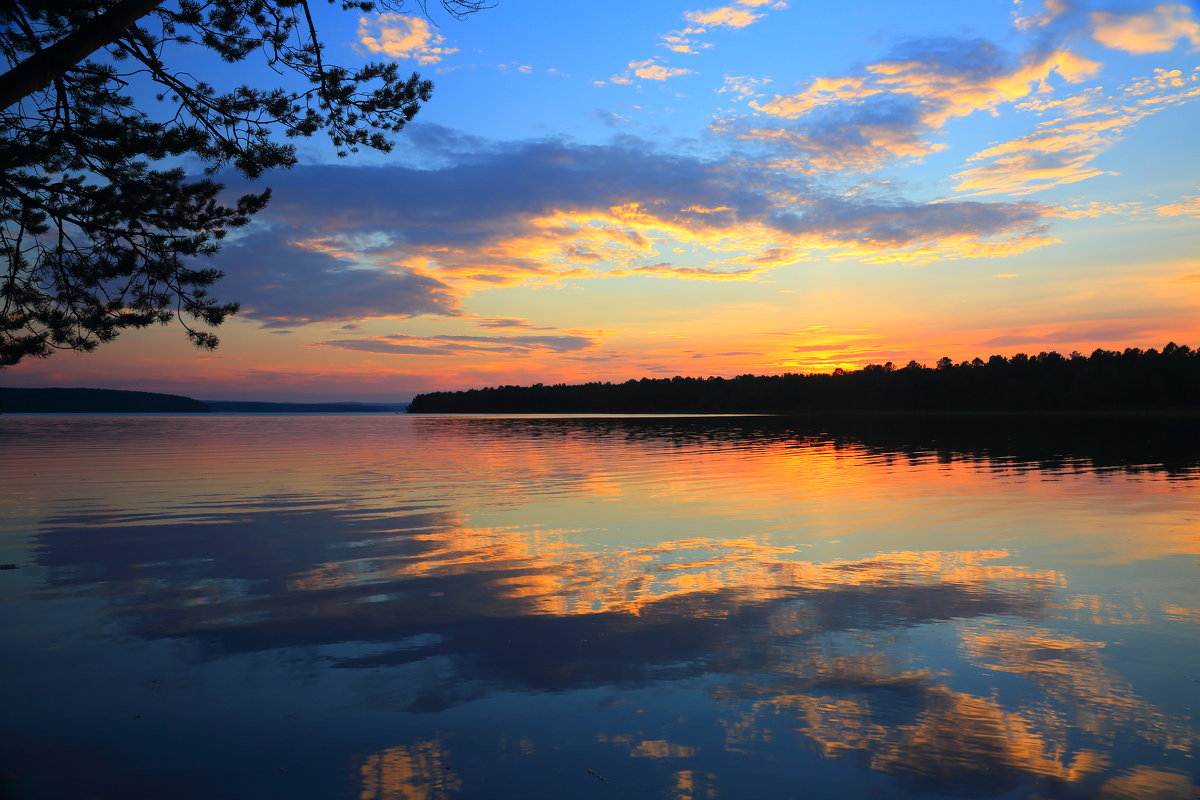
<point x="399" y="608"/>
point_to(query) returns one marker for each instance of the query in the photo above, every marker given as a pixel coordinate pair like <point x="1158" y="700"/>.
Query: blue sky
<point x="606" y="191"/>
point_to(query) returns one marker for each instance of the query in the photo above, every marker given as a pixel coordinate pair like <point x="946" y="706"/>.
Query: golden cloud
<point x="735" y="16"/>
<point x="1154" y="31"/>
<point x="401" y="36"/>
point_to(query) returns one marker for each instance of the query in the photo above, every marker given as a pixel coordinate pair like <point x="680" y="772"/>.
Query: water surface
<point x="394" y="608"/>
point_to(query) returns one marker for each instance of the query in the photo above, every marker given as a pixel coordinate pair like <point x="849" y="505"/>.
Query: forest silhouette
<point x="1107" y="380"/>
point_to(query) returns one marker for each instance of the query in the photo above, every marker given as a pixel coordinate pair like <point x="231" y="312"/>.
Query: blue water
<point x="400" y="607"/>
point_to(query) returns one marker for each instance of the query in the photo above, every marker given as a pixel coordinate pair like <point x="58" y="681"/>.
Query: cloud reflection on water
<point x="945" y="669"/>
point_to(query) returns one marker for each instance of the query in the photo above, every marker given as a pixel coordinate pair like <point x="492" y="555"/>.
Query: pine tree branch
<point x="44" y="66"/>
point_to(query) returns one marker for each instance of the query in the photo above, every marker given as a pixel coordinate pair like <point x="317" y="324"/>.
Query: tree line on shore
<point x="1105" y="380"/>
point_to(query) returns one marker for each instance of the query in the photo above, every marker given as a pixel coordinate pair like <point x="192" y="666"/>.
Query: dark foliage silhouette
<point x="101" y="229"/>
<point x="1105" y="380"/>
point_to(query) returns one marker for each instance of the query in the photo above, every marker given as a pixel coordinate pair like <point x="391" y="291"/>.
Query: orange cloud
<point x="950" y="93"/>
<point x="1154" y="31"/>
<point x="649" y="70"/>
<point x="630" y="239"/>
<point x="401" y="36"/>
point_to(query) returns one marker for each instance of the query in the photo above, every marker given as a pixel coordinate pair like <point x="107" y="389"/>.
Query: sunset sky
<point x="604" y="191"/>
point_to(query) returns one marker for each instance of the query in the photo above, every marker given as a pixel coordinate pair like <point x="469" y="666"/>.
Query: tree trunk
<point x="37" y="71"/>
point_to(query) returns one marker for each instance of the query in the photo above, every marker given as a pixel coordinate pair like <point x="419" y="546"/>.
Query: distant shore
<point x="117" y="401"/>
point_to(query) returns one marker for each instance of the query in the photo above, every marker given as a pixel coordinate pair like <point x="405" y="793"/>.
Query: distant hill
<point x="115" y="401"/>
<point x="94" y="401"/>
<point x="1107" y="380"/>
<point x="318" y="408"/>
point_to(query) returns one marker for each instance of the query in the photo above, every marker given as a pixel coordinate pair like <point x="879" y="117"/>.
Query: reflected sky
<point x="679" y="608"/>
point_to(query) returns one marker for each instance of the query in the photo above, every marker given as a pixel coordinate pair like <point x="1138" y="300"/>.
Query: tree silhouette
<point x="1106" y="380"/>
<point x="100" y="228"/>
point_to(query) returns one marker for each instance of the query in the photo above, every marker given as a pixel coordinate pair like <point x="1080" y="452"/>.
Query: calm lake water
<point x="430" y="608"/>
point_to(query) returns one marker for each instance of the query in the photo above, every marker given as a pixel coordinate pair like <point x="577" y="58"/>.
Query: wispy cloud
<point x="448" y="345"/>
<point x="739" y="14"/>
<point x="947" y="78"/>
<point x="891" y="108"/>
<point x="741" y="86"/>
<point x="1187" y="207"/>
<point x="1063" y="150"/>
<point x="1095" y="209"/>
<point x="401" y="36"/>
<point x="1051" y="10"/>
<point x="649" y="70"/>
<point x="894" y="109"/>
<point x="507" y="322"/>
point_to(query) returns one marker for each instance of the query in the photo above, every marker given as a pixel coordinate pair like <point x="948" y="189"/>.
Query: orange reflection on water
<point x="1181" y="614"/>
<point x="651" y="748"/>
<point x="694" y="785"/>
<point x="417" y="772"/>
<point x="1099" y="611"/>
<point x="1148" y="783"/>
